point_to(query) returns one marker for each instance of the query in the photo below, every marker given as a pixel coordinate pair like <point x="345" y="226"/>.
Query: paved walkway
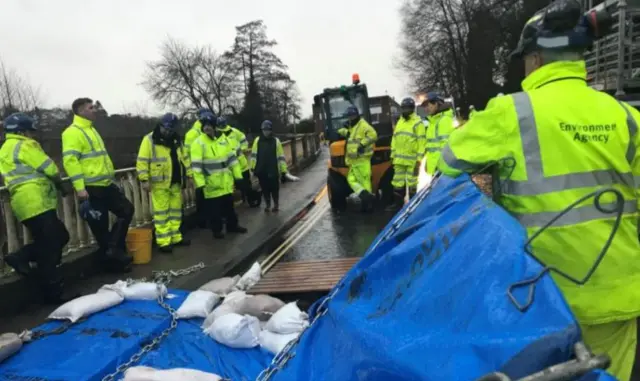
<point x="219" y="256"/>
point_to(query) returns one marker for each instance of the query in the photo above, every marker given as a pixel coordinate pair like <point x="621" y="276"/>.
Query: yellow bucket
<point x="139" y="245"/>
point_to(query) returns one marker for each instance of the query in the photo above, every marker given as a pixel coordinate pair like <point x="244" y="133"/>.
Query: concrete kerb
<point x="17" y="292"/>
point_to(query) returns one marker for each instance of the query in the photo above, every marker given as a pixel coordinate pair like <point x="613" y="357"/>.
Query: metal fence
<point x="13" y="235"/>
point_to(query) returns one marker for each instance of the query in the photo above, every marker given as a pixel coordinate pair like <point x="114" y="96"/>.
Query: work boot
<point x="398" y="201"/>
<point x="367" y="200"/>
<point x="183" y="242"/>
<point x="276" y="208"/>
<point x="218" y="235"/>
<point x="168" y="249"/>
<point x="19" y="263"/>
<point x="238" y="230"/>
<point x="267" y="208"/>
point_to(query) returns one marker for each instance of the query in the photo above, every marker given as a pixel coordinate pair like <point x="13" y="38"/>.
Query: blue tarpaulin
<point x="429" y="302"/>
<point x="94" y="348"/>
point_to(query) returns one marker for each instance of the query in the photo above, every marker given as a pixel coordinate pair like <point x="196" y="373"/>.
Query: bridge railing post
<point x="13" y="235"/>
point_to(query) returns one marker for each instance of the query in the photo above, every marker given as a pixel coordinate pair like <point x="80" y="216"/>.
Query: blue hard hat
<point x="266" y="125"/>
<point x="433" y="96"/>
<point x="19" y="122"/>
<point x="562" y="25"/>
<point x="222" y="121"/>
<point x="352" y="111"/>
<point x="169" y="120"/>
<point x="208" y="118"/>
<point x="203" y="111"/>
<point x="408" y="103"/>
<point x="87" y="212"/>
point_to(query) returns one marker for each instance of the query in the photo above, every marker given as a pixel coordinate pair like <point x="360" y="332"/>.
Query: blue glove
<point x="360" y="150"/>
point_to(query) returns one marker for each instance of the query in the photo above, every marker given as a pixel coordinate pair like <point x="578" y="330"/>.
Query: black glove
<point x="283" y="178"/>
<point x="360" y="150"/>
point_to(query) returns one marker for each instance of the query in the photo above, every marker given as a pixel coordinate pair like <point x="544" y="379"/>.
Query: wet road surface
<point x="327" y="234"/>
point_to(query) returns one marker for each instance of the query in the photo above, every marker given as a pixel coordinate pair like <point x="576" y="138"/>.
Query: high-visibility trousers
<point x="617" y="339"/>
<point x="167" y="214"/>
<point x="359" y="176"/>
<point x="404" y="176"/>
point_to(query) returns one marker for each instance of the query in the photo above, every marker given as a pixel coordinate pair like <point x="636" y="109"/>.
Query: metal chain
<point x="287" y="353"/>
<point x="153" y="344"/>
<point x="161" y="278"/>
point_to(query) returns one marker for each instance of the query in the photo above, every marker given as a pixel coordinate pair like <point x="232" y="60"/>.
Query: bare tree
<point x="17" y="93"/>
<point x="187" y="78"/>
<point x="219" y="75"/>
<point x="461" y="47"/>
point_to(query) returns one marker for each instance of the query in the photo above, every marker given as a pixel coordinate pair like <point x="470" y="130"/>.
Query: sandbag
<point x="87" y="305"/>
<point x="221" y="286"/>
<point x="198" y="304"/>
<point x="235" y="331"/>
<point x="144" y="291"/>
<point x="235" y="297"/>
<point x="288" y="319"/>
<point x="221" y="310"/>
<point x="261" y="306"/>
<point x="10" y="343"/>
<point x="250" y="278"/>
<point x="275" y="342"/>
<point x="145" y="373"/>
<point x="136" y="291"/>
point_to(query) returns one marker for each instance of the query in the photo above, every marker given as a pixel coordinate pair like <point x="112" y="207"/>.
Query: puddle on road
<point x="338" y="236"/>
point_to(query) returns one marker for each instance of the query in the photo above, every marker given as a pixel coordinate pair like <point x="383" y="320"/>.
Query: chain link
<point x="287" y="353"/>
<point x="161" y="278"/>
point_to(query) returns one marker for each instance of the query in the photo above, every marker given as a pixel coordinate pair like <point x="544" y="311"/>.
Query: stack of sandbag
<point x="237" y="321"/>
<point x="10" y="344"/>
<point x="283" y="327"/>
<point x="144" y="373"/>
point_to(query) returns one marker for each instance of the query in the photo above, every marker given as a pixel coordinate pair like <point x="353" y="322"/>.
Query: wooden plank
<point x="303" y="276"/>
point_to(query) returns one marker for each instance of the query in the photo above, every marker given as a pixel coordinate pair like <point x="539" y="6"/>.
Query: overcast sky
<point x="94" y="48"/>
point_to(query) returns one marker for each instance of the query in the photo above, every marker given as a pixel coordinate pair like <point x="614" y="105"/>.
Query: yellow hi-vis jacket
<point x="409" y="141"/>
<point x="84" y="155"/>
<point x="360" y="135"/>
<point x="194" y="133"/>
<point x="154" y="163"/>
<point x="241" y="144"/>
<point x="567" y="140"/>
<point x="28" y="172"/>
<point x="440" y="126"/>
<point x="215" y="165"/>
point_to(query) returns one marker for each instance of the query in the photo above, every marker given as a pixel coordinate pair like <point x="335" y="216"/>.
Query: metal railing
<point x="613" y="62"/>
<point x="14" y="235"/>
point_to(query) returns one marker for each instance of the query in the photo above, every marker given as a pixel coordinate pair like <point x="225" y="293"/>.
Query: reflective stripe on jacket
<point x="154" y="163"/>
<point x="409" y="141"/>
<point x="440" y="127"/>
<point x="84" y="156"/>
<point x="559" y="142"/>
<point x="215" y="165"/>
<point x="282" y="160"/>
<point x="26" y="170"/>
<point x="362" y="134"/>
<point x="242" y="145"/>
